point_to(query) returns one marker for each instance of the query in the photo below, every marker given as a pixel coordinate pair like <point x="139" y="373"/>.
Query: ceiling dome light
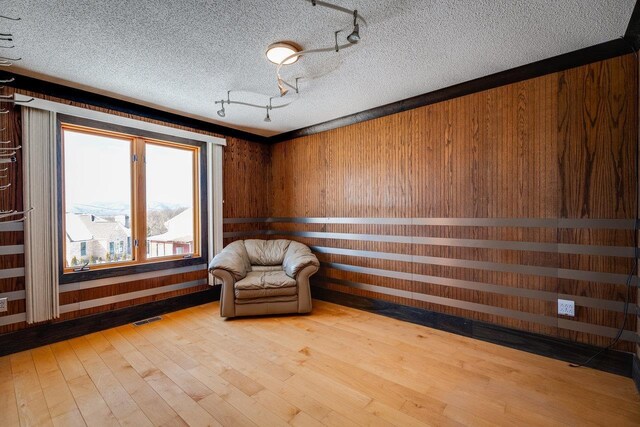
<point x="276" y="52"/>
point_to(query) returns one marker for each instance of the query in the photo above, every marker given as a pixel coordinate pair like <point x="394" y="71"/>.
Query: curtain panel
<point x="40" y="228"/>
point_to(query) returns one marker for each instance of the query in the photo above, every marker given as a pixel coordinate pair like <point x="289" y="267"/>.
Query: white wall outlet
<point x="566" y="307"/>
<point x="3" y="304"/>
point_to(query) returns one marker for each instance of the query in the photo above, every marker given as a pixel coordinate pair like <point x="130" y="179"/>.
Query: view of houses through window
<point x="170" y="213"/>
<point x="102" y="216"/>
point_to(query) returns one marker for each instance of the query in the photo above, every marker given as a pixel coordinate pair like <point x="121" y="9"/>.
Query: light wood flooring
<point x="336" y="367"/>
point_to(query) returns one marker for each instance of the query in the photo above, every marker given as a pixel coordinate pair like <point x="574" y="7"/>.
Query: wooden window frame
<point x="139" y="140"/>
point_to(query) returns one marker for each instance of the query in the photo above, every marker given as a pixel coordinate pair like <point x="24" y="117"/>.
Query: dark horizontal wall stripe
<point x="130" y="296"/>
<point x="11" y="226"/>
<point x="11" y="250"/>
<point x="71" y="287"/>
<point x="233" y="234"/>
<point x="485" y="287"/>
<point x="449" y="302"/>
<point x="444" y="281"/>
<point x="13" y="318"/>
<point x="500" y="289"/>
<point x="604" y="331"/>
<point x="617" y="251"/>
<point x="613" y="224"/>
<point x="471" y="243"/>
<point x="11" y="272"/>
<point x="13" y="296"/>
<point x="563" y="273"/>
<point x="130" y="286"/>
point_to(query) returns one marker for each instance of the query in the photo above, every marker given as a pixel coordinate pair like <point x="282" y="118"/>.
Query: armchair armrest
<point x="227" y="306"/>
<point x="297" y="257"/>
<point x="233" y="259"/>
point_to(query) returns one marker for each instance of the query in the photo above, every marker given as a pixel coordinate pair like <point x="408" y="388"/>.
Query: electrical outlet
<point x="3" y="304"/>
<point x="566" y="307"/>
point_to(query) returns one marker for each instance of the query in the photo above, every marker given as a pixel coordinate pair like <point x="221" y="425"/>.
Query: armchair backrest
<point x="266" y="252"/>
<point x="242" y="256"/>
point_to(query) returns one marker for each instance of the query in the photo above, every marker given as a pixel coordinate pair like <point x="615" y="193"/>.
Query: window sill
<point x="83" y="276"/>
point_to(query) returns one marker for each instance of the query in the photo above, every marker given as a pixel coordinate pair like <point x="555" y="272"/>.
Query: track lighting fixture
<point x="268" y="107"/>
<point x="354" y="37"/>
<point x="221" y="112"/>
<point x="285" y="53"/>
<point x="228" y="101"/>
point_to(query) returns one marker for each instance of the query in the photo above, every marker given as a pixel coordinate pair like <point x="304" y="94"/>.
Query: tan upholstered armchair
<point x="264" y="277"/>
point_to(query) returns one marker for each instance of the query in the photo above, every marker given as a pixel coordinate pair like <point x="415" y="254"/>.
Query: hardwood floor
<point x="338" y="366"/>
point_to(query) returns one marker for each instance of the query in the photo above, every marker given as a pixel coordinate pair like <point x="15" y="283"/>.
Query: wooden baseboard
<point x="49" y="333"/>
<point x="636" y="372"/>
<point x="616" y="362"/>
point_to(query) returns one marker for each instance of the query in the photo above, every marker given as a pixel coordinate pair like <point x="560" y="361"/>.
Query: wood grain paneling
<point x="558" y="146"/>
<point x="597" y="160"/>
<point x="247" y="185"/>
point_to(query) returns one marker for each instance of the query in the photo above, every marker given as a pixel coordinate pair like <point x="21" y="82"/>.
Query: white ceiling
<point x="180" y="56"/>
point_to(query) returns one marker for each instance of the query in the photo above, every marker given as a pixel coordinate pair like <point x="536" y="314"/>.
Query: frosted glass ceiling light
<point x="279" y="51"/>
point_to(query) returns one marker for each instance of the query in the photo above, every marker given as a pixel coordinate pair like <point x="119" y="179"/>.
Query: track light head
<point x="221" y="112"/>
<point x="281" y="86"/>
<point x="354" y="37"/>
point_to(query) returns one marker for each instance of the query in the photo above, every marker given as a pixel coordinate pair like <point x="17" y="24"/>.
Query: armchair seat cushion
<point x="262" y="284"/>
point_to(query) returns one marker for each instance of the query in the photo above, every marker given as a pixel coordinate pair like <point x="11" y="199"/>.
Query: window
<point x="127" y="199"/>
<point x="171" y="216"/>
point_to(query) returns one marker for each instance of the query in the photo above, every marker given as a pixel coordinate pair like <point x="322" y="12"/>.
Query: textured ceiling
<point x="180" y="56"/>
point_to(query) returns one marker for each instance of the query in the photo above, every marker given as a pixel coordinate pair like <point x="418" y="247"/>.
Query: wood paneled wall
<point x="120" y="292"/>
<point x="558" y="147"/>
<point x="247" y="186"/>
